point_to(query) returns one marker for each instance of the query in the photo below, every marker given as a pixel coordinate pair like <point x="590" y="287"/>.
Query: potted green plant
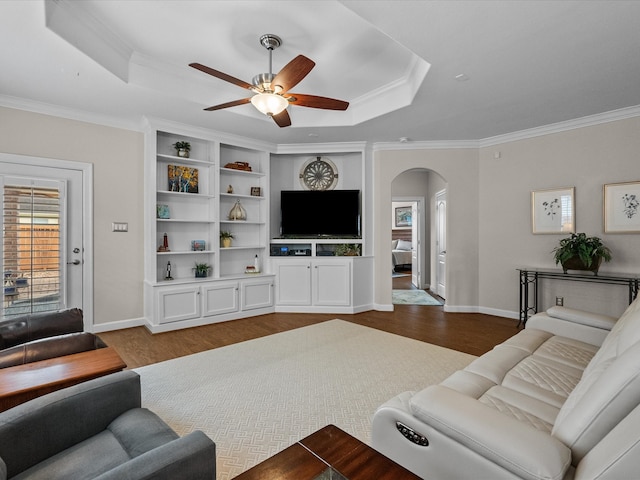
<point x="182" y="149"/>
<point x="347" y="250"/>
<point x="225" y="238"/>
<point x="579" y="252"/>
<point x="202" y="269"/>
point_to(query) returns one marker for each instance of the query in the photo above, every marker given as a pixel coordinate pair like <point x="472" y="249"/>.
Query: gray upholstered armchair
<point x="97" y="430"/>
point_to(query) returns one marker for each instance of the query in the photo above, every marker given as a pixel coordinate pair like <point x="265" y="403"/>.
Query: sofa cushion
<point x="140" y="430"/>
<point x="604" y="396"/>
<point x="133" y="433"/>
<point x="85" y="460"/>
<point x="529" y="410"/>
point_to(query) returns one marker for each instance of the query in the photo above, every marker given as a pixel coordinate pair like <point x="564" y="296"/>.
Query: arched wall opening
<point x="457" y="169"/>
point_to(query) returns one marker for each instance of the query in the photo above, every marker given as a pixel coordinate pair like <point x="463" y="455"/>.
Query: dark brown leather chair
<point x="32" y="338"/>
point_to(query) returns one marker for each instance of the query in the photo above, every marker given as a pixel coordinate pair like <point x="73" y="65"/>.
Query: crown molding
<point x="425" y="145"/>
<point x="70" y="113"/>
<point x="588" y="121"/>
<point x="314" y="148"/>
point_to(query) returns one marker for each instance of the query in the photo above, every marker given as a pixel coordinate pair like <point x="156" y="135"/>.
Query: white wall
<point x="584" y="158"/>
<point x="117" y="156"/>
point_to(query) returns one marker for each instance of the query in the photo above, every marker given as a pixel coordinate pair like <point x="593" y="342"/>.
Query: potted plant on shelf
<point x="202" y="269"/>
<point x="225" y="238"/>
<point x="579" y="252"/>
<point x="182" y="149"/>
<point x="347" y="250"/>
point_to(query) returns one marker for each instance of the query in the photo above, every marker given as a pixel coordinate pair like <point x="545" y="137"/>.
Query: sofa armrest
<point x="523" y="450"/>
<point x="596" y="320"/>
<point x="45" y="426"/>
<point x="567" y="322"/>
<point x="192" y="456"/>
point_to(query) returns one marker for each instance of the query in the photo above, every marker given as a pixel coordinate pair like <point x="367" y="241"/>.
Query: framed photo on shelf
<point x="198" y="245"/>
<point x="622" y="207"/>
<point x="402" y="217"/>
<point x="256" y="191"/>
<point x="553" y="211"/>
<point x="183" y="179"/>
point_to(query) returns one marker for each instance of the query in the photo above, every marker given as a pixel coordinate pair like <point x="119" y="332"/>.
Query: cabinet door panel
<point x="294" y="283"/>
<point x="178" y="304"/>
<point x="257" y="295"/>
<point x="332" y="284"/>
<point x="220" y="298"/>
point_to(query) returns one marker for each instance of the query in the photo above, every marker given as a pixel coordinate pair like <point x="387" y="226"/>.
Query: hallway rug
<point x="257" y="397"/>
<point x="413" y="297"/>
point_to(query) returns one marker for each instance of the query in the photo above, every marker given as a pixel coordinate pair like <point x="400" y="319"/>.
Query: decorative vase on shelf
<point x="226" y="242"/>
<point x="237" y="212"/>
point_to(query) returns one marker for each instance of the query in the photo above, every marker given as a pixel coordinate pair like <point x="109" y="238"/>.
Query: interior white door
<point x="416" y="271"/>
<point x="43" y="249"/>
<point x="441" y="242"/>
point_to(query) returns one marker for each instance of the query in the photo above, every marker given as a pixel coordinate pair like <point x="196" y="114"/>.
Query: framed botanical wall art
<point x="553" y="211"/>
<point x="622" y="207"/>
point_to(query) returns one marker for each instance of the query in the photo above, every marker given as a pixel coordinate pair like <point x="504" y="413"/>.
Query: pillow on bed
<point x="394" y="244"/>
<point x="403" y="245"/>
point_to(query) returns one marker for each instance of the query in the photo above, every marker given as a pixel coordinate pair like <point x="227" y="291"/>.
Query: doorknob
<point x="75" y="262"/>
<point x="76" y="250"/>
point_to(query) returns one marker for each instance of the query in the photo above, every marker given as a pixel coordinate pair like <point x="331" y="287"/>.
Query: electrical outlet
<point x="559" y="301"/>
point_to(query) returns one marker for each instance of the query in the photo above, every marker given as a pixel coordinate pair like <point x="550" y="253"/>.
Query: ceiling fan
<point x="272" y="95"/>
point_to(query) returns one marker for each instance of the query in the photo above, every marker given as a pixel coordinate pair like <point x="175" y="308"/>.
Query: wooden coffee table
<point x="25" y="382"/>
<point x="329" y="453"/>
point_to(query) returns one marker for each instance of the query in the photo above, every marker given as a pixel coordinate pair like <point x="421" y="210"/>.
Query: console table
<point x="529" y="278"/>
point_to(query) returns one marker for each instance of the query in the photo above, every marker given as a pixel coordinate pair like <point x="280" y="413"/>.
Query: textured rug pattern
<point x="413" y="297"/>
<point x="258" y="397"/>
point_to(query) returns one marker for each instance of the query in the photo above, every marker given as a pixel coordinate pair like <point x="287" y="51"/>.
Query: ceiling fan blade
<point x="293" y="72"/>
<point x="282" y="119"/>
<point x="235" y="103"/>
<point x="221" y="75"/>
<point x="314" y="101"/>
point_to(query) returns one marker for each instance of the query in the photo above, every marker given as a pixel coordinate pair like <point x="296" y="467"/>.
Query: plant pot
<point x="183" y="153"/>
<point x="201" y="274"/>
<point x="574" y="263"/>
<point x="226" y="242"/>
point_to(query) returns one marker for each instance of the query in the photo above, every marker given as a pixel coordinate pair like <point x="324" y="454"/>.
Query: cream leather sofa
<point x="559" y="400"/>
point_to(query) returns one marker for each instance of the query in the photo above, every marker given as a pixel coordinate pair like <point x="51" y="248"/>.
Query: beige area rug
<point x="258" y="397"/>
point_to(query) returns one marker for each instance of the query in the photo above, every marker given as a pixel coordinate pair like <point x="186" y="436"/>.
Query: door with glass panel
<point x="42" y="244"/>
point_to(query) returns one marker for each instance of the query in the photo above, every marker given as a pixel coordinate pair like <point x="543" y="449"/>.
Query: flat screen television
<point x="317" y="214"/>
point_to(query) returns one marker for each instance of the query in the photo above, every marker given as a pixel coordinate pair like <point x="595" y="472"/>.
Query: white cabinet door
<point x="331" y="283"/>
<point x="220" y="298"/>
<point x="294" y="283"/>
<point x="257" y="294"/>
<point x="177" y="304"/>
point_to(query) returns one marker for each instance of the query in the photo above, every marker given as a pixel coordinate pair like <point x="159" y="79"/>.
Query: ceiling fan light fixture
<point x="269" y="103"/>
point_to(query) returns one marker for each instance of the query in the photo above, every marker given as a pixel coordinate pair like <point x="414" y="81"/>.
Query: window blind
<point x="31" y="249"/>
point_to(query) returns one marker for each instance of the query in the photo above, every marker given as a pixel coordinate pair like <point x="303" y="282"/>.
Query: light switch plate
<point x="119" y="227"/>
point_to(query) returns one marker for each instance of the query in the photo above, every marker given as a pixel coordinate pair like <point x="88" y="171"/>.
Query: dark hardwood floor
<point x="472" y="333"/>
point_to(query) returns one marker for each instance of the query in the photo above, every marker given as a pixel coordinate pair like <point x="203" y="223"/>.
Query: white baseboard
<point x="486" y="310"/>
<point x="118" y="325"/>
<point x="500" y="313"/>
<point x="383" y="307"/>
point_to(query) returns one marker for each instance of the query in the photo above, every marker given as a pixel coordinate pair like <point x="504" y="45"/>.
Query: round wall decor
<point x="319" y="173"/>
